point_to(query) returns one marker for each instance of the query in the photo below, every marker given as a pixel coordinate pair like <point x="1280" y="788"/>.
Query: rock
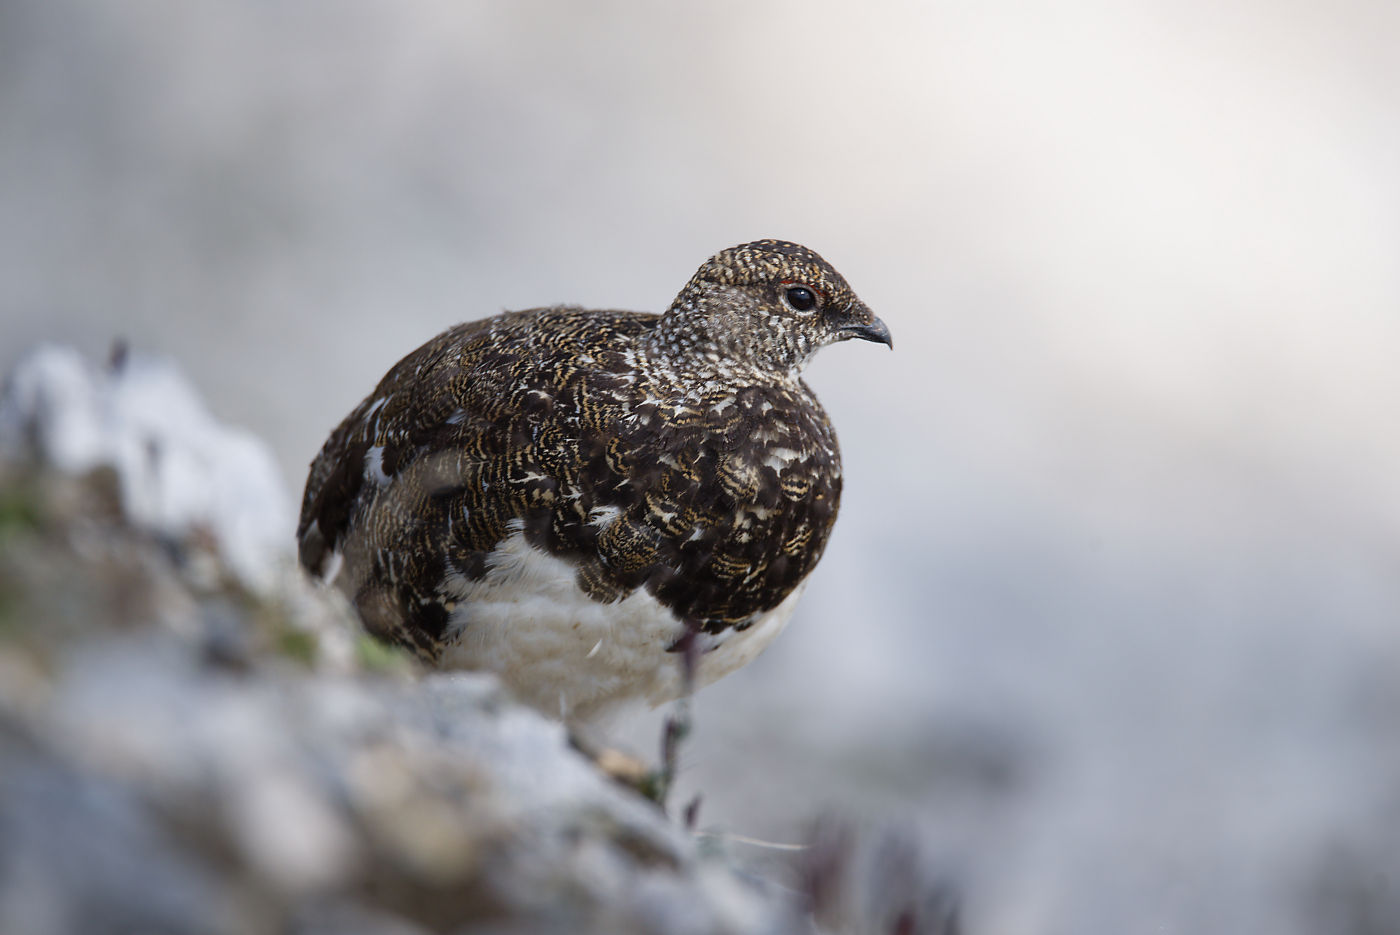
<point x="180" y="471"/>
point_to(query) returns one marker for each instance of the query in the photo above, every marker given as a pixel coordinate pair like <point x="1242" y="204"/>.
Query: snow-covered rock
<point x="179" y="468"/>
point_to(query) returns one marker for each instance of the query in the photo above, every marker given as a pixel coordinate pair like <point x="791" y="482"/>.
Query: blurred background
<point x="1112" y="613"/>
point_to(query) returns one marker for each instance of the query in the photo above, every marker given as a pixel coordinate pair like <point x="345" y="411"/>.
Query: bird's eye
<point x="801" y="298"/>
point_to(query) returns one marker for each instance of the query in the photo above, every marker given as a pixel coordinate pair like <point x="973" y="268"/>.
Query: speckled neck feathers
<point x="732" y="311"/>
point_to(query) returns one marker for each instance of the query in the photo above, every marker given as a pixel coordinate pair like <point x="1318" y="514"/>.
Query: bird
<point x="574" y="498"/>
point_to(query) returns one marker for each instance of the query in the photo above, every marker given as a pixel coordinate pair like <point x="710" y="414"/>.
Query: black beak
<point x="872" y="330"/>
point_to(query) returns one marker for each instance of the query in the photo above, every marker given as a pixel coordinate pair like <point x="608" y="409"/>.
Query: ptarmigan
<point x="562" y="495"/>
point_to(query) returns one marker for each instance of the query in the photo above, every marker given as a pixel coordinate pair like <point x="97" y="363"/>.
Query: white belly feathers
<point x="574" y="657"/>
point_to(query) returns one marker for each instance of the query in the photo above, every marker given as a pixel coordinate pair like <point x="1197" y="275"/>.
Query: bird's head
<point x="771" y="304"/>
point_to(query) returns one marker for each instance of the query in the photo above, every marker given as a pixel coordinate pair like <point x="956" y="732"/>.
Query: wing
<point x="405" y="410"/>
<point x="474" y="431"/>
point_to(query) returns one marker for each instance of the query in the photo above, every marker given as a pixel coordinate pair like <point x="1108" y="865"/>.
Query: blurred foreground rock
<point x="194" y="739"/>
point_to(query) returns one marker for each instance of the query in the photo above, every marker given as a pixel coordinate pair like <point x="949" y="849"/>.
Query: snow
<point x="179" y="468"/>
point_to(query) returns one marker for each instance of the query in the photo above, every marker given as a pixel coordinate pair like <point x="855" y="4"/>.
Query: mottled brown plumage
<point x="678" y="456"/>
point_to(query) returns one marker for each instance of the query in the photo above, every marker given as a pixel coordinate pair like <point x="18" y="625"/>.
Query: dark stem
<point x="678" y="724"/>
